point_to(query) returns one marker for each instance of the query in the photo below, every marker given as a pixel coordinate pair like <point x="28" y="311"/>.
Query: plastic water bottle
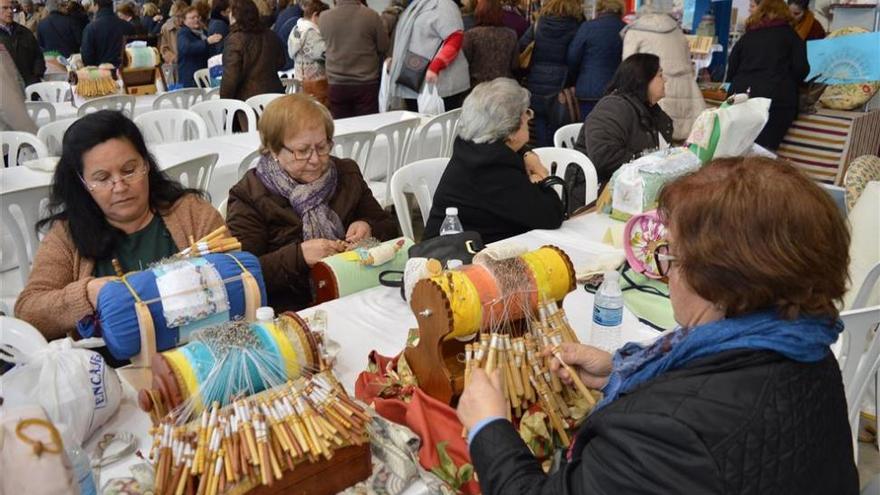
<point x="82" y="470"/>
<point x="265" y="314"/>
<point x="451" y="225"/>
<point x="608" y="313"/>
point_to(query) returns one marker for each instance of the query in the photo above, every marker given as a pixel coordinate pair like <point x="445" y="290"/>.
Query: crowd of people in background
<point x="340" y="54"/>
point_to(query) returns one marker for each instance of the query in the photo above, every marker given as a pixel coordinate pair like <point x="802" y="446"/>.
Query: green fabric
<point x="139" y="249"/>
<point x="650" y="307"/>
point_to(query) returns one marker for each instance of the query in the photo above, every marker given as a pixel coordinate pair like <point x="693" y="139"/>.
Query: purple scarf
<point x="308" y="200"/>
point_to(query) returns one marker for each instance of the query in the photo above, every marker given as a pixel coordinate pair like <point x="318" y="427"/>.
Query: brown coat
<point x="356" y="42"/>
<point x="59" y="276"/>
<point x="267" y="226"/>
<point x="251" y="62"/>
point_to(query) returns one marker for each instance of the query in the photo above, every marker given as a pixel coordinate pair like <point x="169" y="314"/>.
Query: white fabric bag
<point x="75" y="387"/>
<point x="430" y="102"/>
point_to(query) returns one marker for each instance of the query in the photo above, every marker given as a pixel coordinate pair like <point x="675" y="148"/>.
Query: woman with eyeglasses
<point x="745" y="396"/>
<point x="109" y="201"/>
<point x="300" y="205"/>
<point x="492" y="177"/>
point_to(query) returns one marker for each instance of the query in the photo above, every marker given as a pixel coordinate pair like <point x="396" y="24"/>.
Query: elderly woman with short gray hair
<point x="492" y="177"/>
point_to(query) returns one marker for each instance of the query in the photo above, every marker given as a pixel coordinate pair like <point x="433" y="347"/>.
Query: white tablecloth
<point x="378" y="319"/>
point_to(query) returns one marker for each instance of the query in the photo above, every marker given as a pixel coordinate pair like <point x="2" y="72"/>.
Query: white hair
<point x="493" y="111"/>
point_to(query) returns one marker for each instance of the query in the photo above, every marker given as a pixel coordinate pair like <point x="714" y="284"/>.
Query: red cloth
<point x="433" y="421"/>
<point x="447" y="53"/>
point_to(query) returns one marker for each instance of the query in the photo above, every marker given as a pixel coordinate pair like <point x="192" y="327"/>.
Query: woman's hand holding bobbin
<point x="314" y="250"/>
<point x="592" y="365"/>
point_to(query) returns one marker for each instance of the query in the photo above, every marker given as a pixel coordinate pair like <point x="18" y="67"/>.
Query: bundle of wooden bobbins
<point x="286" y="439"/>
<point x="470" y="304"/>
<point x="227" y="360"/>
<point x="525" y="371"/>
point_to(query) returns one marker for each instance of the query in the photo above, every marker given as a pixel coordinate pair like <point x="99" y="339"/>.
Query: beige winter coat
<point x="660" y="35"/>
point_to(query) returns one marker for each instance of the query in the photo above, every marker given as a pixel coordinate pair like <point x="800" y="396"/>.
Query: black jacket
<point x="739" y="422"/>
<point x="489" y="186"/>
<point x="25" y="51"/>
<point x="619" y="129"/>
<point x="102" y="38"/>
<point x="772" y="61"/>
<point x="59" y="33"/>
<point x="548" y="72"/>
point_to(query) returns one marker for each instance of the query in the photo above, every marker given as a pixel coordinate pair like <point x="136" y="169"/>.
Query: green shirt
<point x="139" y="249"/>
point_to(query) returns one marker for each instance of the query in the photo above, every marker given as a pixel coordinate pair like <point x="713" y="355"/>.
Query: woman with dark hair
<point x="489" y="46"/>
<point x="252" y="56"/>
<point x="805" y="23"/>
<point x="109" y="202"/>
<point x="745" y="396"/>
<point x="627" y="120"/>
<point x="128" y="13"/>
<point x="218" y="24"/>
<point x="595" y="53"/>
<point x="770" y="60"/>
<point x="193" y="47"/>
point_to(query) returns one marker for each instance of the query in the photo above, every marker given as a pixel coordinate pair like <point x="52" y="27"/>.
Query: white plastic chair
<point x="249" y="162"/>
<point x="285" y="74"/>
<point x="399" y="135"/>
<point x="211" y="94"/>
<point x="859" y="368"/>
<point x="26" y="204"/>
<point x="171" y="125"/>
<point x="565" y="136"/>
<point x="51" y="91"/>
<point x="20" y="147"/>
<point x="557" y="160"/>
<point x="421" y="179"/>
<point x="356" y="146"/>
<point x="35" y="109"/>
<point x="179" y="98"/>
<point x="202" y="78"/>
<point x="448" y="124"/>
<point x="52" y="134"/>
<point x="20" y="337"/>
<point x="195" y="173"/>
<point x="222" y="207"/>
<point x="122" y="103"/>
<point x="260" y="102"/>
<point x="220" y="114"/>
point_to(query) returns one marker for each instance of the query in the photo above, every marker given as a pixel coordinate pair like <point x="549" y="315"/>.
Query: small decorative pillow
<point x="862" y="170"/>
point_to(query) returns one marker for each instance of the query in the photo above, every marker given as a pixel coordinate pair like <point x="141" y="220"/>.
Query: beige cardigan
<point x="55" y="297"/>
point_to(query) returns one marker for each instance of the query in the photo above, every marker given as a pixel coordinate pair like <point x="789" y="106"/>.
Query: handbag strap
<point x="553" y="180"/>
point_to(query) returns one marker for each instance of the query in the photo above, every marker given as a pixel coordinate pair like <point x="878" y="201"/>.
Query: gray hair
<point x="493" y="111"/>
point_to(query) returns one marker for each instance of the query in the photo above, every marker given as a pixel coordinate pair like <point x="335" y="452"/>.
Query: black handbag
<point x="412" y="73"/>
<point x="548" y="183"/>
<point x="443" y="248"/>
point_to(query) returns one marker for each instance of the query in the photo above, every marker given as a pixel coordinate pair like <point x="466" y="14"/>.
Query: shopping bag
<point x="385" y="88"/>
<point x="430" y="102"/>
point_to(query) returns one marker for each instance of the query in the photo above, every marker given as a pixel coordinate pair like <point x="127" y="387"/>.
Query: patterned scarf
<point x="309" y="201"/>
<point x="804" y="340"/>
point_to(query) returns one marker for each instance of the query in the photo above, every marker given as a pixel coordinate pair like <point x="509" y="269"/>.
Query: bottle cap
<point x="265" y="313"/>
<point x="612" y="275"/>
<point x="452" y="210"/>
<point x="453" y="264"/>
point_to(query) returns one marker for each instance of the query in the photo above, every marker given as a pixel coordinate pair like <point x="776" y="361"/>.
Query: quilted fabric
<point x="862" y="170"/>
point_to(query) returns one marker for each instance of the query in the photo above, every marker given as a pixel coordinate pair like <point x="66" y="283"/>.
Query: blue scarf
<point x="806" y="340"/>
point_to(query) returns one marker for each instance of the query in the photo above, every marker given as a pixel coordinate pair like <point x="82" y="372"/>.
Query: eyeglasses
<point x="663" y="259"/>
<point x="304" y="154"/>
<point x="109" y="183"/>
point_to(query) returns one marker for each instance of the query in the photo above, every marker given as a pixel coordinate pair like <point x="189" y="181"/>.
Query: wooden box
<point x="349" y="466"/>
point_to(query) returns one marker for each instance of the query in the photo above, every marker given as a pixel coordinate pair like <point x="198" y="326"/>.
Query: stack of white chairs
<point x="219" y="115"/>
<point x="171" y="125"/>
<point x="398" y="136"/>
<point x="19" y="147"/>
<point x="52" y="134"/>
<point x="420" y="178"/>
<point x="180" y="98"/>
